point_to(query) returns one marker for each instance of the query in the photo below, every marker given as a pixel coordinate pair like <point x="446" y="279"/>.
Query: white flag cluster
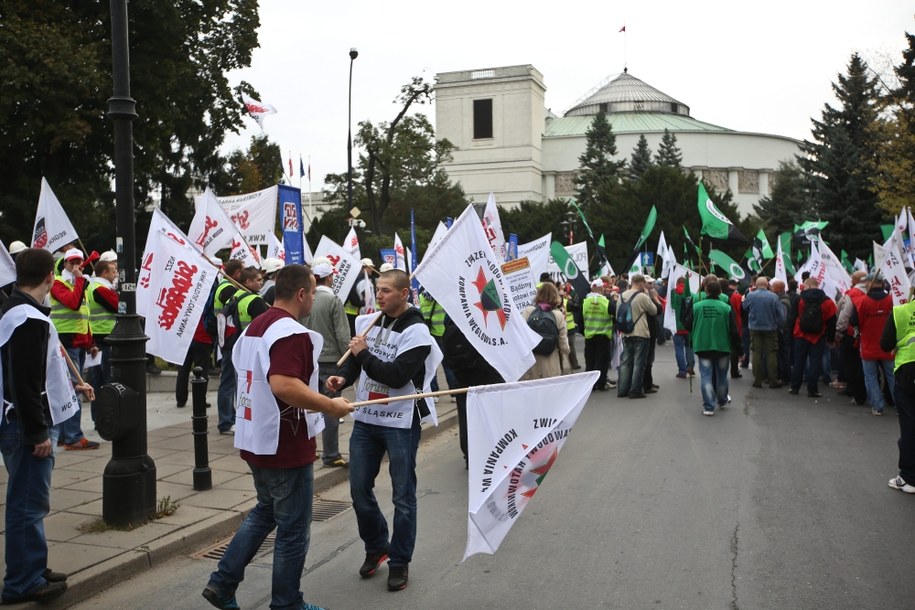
<point x="347" y="268"/>
<point x="515" y="432"/>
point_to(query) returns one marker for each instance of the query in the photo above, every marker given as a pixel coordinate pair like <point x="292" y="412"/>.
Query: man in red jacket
<point x="869" y="316"/>
<point x="813" y="330"/>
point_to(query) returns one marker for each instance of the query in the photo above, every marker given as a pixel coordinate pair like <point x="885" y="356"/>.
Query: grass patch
<point x="165" y="507"/>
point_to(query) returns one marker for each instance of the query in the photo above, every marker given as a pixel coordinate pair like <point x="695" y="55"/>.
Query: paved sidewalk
<point x="95" y="560"/>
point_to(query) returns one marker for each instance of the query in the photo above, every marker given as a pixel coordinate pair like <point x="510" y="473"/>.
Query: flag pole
<point x="363" y="334"/>
<point x="382" y="401"/>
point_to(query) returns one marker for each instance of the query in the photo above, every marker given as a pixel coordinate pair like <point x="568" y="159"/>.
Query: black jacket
<point x="24" y="359"/>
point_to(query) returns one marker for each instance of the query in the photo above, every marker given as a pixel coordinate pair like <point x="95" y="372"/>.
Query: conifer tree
<point x="599" y="174"/>
<point x="669" y="154"/>
<point x="787" y="203"/>
<point x="641" y="159"/>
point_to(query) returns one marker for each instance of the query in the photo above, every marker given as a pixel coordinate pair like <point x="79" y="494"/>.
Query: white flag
<point x="400" y="255"/>
<point x="211" y="228"/>
<point x="275" y="247"/>
<point x="515" y="432"/>
<point x="52" y="230"/>
<point x="308" y="255"/>
<point x="253" y="213"/>
<point x="462" y="273"/>
<point x="351" y="244"/>
<point x="894" y="272"/>
<point x="257" y="109"/>
<point x="180" y="280"/>
<point x="159" y="223"/>
<point x="676" y="272"/>
<point x="243" y="252"/>
<point x="346" y="268"/>
<point x="492" y="225"/>
<point x="911" y="235"/>
<point x="662" y="266"/>
<point x="7" y="266"/>
<point x="440" y="231"/>
<point x="837" y="279"/>
<point x="538" y="253"/>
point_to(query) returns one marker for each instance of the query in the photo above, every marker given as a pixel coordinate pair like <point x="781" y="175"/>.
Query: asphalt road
<point x="778" y="502"/>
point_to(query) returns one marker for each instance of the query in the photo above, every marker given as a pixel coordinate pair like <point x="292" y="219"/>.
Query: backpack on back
<point x="209" y="313"/>
<point x="624" y="321"/>
<point x="811" y="319"/>
<point x="686" y="313"/>
<point x="544" y="324"/>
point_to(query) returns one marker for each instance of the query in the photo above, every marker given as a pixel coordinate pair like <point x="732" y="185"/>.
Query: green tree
<point x="836" y="162"/>
<point x="640" y="160"/>
<point x="598" y="174"/>
<point x="893" y="168"/>
<point x="787" y="203"/>
<point x="252" y="170"/>
<point x="57" y="79"/>
<point x="399" y="170"/>
<point x="669" y="154"/>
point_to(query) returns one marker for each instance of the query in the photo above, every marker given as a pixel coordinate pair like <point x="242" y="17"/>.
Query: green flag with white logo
<point x="569" y="269"/>
<point x="715" y="224"/>
<point x="727" y="264"/>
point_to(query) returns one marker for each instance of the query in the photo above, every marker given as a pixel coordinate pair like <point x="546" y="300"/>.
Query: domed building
<point x="508" y="143"/>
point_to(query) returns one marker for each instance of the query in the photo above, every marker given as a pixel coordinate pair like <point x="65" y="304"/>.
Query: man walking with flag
<point x="397" y="357"/>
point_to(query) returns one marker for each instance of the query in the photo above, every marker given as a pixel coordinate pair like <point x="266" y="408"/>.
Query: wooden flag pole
<point x="348" y="353"/>
<point x="72" y="366"/>
<point x="382" y="401"/>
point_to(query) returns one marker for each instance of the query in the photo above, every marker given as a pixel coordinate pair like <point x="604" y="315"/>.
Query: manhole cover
<point x="219" y="549"/>
<point x="324" y="510"/>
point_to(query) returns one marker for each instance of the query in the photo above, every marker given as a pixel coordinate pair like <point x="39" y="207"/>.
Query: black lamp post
<point x="570" y="224"/>
<point x="129" y="481"/>
<point x="353" y="54"/>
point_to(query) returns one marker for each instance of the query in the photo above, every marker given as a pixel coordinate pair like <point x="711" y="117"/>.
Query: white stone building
<point x="508" y="143"/>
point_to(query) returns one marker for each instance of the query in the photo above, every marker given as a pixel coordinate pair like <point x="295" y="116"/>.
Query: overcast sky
<point x="759" y="67"/>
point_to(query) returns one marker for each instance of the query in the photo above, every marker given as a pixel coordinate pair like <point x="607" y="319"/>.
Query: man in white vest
<point x="275" y="359"/>
<point x="396" y="358"/>
<point x="37" y="394"/>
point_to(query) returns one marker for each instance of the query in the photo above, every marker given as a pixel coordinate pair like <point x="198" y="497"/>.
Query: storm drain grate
<point x="322" y="510"/>
<point x="325" y="510"/>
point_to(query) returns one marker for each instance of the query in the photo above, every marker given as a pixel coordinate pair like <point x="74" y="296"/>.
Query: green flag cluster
<point x="715" y="224"/>
<point x="727" y="264"/>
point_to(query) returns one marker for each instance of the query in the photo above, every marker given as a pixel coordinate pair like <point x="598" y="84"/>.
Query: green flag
<point x="689" y="240"/>
<point x="765" y="248"/>
<point x="648" y="228"/>
<point x="569" y="269"/>
<point x="753" y="262"/>
<point x="785" y="240"/>
<point x="601" y="250"/>
<point x="715" y="224"/>
<point x="847" y="263"/>
<point x="727" y="264"/>
<point x="887" y="230"/>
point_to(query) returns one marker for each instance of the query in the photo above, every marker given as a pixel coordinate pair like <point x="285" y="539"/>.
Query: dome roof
<point x="626" y="93"/>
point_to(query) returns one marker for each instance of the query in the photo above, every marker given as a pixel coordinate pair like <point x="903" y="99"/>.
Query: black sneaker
<point x="814" y="394"/>
<point x="218" y="600"/>
<point x="371" y="563"/>
<point x="52" y="576"/>
<point x="47" y="592"/>
<point x="397" y="578"/>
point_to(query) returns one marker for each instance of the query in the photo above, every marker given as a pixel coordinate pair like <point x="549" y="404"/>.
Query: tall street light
<point x="353" y="54"/>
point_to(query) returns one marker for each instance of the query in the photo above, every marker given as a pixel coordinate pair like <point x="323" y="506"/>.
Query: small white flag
<point x="52" y="230"/>
<point x="346" y="268"/>
<point x="492" y="225"/>
<point x="400" y="255"/>
<point x="257" y="109"/>
<point x="351" y="244"/>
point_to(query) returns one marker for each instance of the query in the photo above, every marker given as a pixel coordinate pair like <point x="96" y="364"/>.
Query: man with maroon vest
<point x="848" y="340"/>
<point x="869" y="316"/>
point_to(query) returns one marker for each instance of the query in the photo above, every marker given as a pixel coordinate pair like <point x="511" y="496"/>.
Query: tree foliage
<point x="787" y="203"/>
<point x="57" y="80"/>
<point x="836" y="161"/>
<point x="669" y="154"/>
<point x="599" y="174"/>
<point x="257" y="168"/>
<point x="640" y="160"/>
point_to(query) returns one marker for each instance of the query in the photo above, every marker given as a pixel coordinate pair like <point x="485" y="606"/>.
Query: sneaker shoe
<point x="776" y="385"/>
<point x="371" y="563"/>
<point x="52" y="576"/>
<point x="708" y="413"/>
<point x="223" y="602"/>
<point x="681" y="375"/>
<point x="152" y="369"/>
<point x="397" y="578"/>
<point x="876" y="411"/>
<point x="83" y="443"/>
<point x="900" y="484"/>
<point x="725" y="404"/>
<point x="691" y="372"/>
<point x="814" y="394"/>
<point x="339" y="463"/>
<point x="611" y="383"/>
<point x="794" y="390"/>
<point x="229" y="432"/>
<point x="651" y="391"/>
<point x="44" y="593"/>
<point x="636" y="396"/>
<point x="307" y="606"/>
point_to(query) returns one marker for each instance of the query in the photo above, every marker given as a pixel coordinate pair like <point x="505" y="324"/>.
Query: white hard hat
<point x="272" y="265"/>
<point x="17" y="246"/>
<point x="108" y="256"/>
<point x="386" y="267"/>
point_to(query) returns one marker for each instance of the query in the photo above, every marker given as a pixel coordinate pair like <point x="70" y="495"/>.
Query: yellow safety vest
<point x="904" y="319"/>
<point x="597" y="320"/>
<point x="66" y="320"/>
<point x="101" y="321"/>
<point x="570" y="319"/>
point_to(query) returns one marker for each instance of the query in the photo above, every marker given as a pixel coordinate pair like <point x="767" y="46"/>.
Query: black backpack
<point x="544" y="324"/>
<point x="686" y="313"/>
<point x="209" y="313"/>
<point x="811" y="319"/>
<point x="624" y="321"/>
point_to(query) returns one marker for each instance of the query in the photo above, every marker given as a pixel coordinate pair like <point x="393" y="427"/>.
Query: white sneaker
<point x="899" y="483"/>
<point x="229" y="432"/>
<point x="708" y="413"/>
<point x="725" y="405"/>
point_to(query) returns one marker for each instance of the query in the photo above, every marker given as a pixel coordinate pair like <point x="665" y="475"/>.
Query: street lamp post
<point x="129" y="481"/>
<point x="353" y="54"/>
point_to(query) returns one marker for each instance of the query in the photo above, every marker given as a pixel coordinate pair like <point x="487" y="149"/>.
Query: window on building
<point x="482" y="119"/>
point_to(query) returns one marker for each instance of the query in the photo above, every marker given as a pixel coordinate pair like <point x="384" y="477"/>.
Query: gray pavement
<point x="96" y="557"/>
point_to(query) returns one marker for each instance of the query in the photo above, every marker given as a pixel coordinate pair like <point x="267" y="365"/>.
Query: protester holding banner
<point x="549" y="302"/>
<point x="393" y="359"/>
<point x="35" y="386"/>
<point x="274" y="441"/>
<point x="70" y="316"/>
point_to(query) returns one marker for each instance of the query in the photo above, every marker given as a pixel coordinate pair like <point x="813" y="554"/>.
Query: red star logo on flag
<point x="489" y="298"/>
<point x="541" y="471"/>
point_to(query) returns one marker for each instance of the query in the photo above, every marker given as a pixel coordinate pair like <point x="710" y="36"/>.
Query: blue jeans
<point x="330" y="436"/>
<point x="284" y="497"/>
<point x="713" y="381"/>
<point x="632" y="366"/>
<point x="686" y="360"/>
<point x="872" y="381"/>
<point x="805" y="351"/>
<point x="71" y="430"/>
<point x="28" y="501"/>
<point x="225" y="396"/>
<point x="367" y="445"/>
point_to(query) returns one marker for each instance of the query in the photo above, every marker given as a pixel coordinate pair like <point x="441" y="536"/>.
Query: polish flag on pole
<point x="52" y="230"/>
<point x="257" y="109"/>
<point x="515" y="432"/>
